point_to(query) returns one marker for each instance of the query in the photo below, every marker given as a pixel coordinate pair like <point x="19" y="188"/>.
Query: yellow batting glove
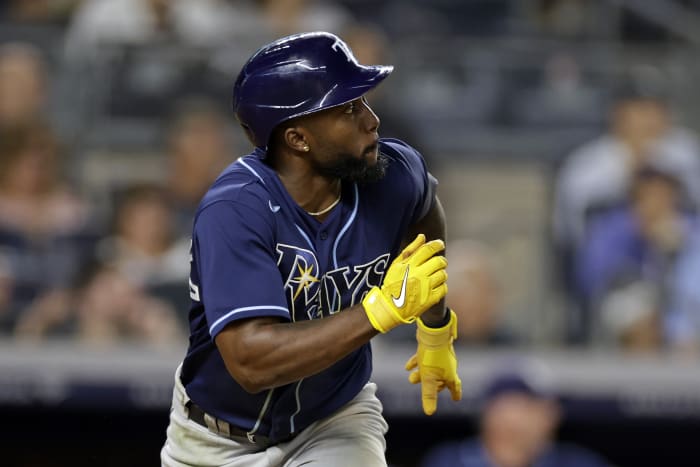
<point x="414" y="282"/>
<point x="435" y="363"/>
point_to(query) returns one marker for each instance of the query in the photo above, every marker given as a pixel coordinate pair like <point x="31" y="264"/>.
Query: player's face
<point x="344" y="142"/>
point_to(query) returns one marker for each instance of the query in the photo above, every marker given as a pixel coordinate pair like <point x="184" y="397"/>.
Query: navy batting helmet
<point x="298" y="75"/>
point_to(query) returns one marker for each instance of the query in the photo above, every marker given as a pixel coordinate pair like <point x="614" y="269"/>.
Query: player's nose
<point x="372" y="119"/>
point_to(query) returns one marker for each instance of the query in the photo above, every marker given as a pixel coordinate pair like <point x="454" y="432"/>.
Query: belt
<point x="224" y="428"/>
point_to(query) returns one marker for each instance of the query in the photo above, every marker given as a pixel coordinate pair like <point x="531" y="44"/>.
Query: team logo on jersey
<point x="312" y="295"/>
<point x="300" y="272"/>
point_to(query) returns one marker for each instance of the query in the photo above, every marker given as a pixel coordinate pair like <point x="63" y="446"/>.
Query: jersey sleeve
<point x="234" y="257"/>
<point x="419" y="186"/>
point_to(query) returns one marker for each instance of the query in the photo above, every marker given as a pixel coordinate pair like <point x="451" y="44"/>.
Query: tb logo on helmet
<point x="339" y="44"/>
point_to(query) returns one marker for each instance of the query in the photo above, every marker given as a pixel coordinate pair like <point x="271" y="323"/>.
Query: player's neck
<point x="313" y="192"/>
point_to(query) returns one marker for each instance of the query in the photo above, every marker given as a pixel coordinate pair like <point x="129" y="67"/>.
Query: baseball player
<point x="302" y="251"/>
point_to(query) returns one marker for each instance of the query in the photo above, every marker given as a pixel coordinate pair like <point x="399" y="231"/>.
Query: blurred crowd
<point x="114" y="120"/>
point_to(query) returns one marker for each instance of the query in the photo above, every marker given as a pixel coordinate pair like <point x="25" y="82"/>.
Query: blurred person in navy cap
<point x="519" y="416"/>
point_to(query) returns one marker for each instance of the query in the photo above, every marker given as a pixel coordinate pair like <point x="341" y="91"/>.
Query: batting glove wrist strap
<point x="437" y="337"/>
<point x="381" y="313"/>
<point x="414" y="282"/>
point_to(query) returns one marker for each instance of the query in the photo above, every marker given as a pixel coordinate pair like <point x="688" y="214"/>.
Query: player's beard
<point x="349" y="168"/>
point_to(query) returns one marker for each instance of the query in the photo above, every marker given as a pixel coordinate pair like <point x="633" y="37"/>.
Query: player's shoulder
<point x="242" y="183"/>
<point x="402" y="154"/>
<point x="397" y="148"/>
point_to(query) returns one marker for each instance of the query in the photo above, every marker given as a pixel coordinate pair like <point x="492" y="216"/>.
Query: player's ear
<point x="295" y="138"/>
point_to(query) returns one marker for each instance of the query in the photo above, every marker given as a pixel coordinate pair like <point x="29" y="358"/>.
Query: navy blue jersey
<point x="256" y="253"/>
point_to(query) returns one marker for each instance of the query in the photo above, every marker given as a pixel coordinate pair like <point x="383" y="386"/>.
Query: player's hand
<point x="414" y="282"/>
<point x="435" y="363"/>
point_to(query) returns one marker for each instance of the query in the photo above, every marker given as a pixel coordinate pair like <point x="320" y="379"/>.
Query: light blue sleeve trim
<point x="242" y="309"/>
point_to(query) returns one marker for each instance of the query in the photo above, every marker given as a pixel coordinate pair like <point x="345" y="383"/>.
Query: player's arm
<point x="262" y="353"/>
<point x="435" y="362"/>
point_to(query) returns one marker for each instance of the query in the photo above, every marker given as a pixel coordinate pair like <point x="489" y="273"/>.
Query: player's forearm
<point x="262" y="353"/>
<point x="433" y="225"/>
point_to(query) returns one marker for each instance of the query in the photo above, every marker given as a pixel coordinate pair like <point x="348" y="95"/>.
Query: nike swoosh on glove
<point x="414" y="282"/>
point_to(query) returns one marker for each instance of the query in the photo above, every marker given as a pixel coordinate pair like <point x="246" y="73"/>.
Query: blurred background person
<point x="23" y="84"/>
<point x="645" y="239"/>
<point x="476" y="296"/>
<point x="519" y="417"/>
<point x="110" y="309"/>
<point x="145" y="246"/>
<point x="598" y="175"/>
<point x="45" y="228"/>
<point x="97" y="24"/>
<point x="103" y="308"/>
<point x="199" y="146"/>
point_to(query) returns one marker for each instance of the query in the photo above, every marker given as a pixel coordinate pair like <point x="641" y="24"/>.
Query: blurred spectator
<point x="597" y="175"/>
<point x="476" y="295"/>
<point x="44" y="225"/>
<point x="23" y="83"/>
<point x="105" y="308"/>
<point x="199" y="147"/>
<point x="644" y="236"/>
<point x="145" y="247"/>
<point x="627" y="267"/>
<point x="99" y="23"/>
<point x="518" y="422"/>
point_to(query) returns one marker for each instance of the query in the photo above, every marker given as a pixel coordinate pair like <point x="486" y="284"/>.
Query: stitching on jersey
<point x="296" y="395"/>
<point x="345" y="228"/>
<point x="262" y="413"/>
<point x="306" y="237"/>
<point x="244" y="164"/>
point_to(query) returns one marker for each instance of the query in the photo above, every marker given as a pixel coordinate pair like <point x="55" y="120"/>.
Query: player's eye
<point x="350" y="108"/>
